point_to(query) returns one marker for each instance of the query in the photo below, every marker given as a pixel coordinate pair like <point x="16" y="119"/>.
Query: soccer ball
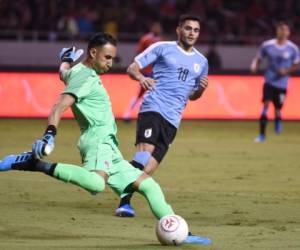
<point x="171" y="230"/>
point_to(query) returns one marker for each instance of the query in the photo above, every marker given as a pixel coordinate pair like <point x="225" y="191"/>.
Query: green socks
<point x="153" y="193"/>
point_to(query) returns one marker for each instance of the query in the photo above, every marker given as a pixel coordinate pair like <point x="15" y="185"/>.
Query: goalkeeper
<point x="102" y="161"/>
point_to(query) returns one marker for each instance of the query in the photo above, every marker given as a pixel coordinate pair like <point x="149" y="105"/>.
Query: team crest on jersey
<point x="148" y="133"/>
<point x="286" y="55"/>
<point x="196" y="67"/>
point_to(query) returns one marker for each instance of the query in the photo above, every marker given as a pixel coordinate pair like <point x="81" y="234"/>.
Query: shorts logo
<point x="148" y="133"/>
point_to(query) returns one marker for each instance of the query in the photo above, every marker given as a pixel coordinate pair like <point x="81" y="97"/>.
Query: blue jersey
<point x="278" y="57"/>
<point x="177" y="74"/>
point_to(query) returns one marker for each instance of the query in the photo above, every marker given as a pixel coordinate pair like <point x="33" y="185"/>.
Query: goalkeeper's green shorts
<point x="106" y="156"/>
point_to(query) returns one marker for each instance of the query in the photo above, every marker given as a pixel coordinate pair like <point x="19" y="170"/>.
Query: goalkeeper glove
<point x="44" y="146"/>
<point x="70" y="55"/>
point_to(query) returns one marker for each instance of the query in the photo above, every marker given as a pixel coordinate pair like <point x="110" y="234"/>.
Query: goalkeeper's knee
<point x="95" y="183"/>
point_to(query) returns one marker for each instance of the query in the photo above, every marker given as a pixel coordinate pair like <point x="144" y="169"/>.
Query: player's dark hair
<point x="281" y="23"/>
<point x="100" y="39"/>
<point x="186" y="17"/>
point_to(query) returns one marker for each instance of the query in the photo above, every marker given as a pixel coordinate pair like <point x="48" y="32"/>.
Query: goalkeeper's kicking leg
<point x="151" y="190"/>
<point x="93" y="182"/>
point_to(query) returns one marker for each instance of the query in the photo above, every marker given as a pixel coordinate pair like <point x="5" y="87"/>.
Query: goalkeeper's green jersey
<point x="92" y="108"/>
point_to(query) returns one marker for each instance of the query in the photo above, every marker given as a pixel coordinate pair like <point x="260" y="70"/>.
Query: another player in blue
<point x="179" y="74"/>
<point x="282" y="57"/>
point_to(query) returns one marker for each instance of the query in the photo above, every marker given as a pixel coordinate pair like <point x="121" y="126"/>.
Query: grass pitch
<point x="240" y="194"/>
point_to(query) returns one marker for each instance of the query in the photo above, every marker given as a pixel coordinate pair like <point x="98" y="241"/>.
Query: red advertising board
<point x="227" y="97"/>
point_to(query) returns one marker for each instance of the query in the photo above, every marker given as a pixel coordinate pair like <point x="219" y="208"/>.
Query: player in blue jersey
<point x="282" y="57"/>
<point x="179" y="74"/>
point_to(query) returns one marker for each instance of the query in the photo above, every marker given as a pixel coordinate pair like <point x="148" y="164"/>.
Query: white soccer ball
<point x="172" y="230"/>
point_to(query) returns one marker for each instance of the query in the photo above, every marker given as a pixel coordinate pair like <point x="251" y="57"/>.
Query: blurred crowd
<point x="226" y="21"/>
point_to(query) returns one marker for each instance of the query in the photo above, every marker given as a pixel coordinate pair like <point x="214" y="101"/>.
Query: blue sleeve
<point x="261" y="52"/>
<point x="204" y="72"/>
<point x="149" y="56"/>
<point x="296" y="57"/>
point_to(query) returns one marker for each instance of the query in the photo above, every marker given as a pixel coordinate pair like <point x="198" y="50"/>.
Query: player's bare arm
<point x="64" y="70"/>
<point x="64" y="102"/>
<point x="198" y="93"/>
<point x="45" y="146"/>
<point x="134" y="72"/>
<point x="254" y="65"/>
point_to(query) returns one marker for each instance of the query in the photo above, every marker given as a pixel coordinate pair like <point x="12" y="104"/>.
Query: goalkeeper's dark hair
<point x="188" y="17"/>
<point x="100" y="39"/>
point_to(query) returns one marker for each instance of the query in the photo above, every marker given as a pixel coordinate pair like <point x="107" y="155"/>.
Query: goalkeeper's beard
<point x="99" y="70"/>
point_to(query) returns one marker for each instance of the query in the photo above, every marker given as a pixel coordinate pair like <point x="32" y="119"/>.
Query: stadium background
<point x="32" y="32"/>
<point x="242" y="195"/>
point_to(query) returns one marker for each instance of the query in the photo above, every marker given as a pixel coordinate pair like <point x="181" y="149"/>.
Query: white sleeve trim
<point x="136" y="60"/>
